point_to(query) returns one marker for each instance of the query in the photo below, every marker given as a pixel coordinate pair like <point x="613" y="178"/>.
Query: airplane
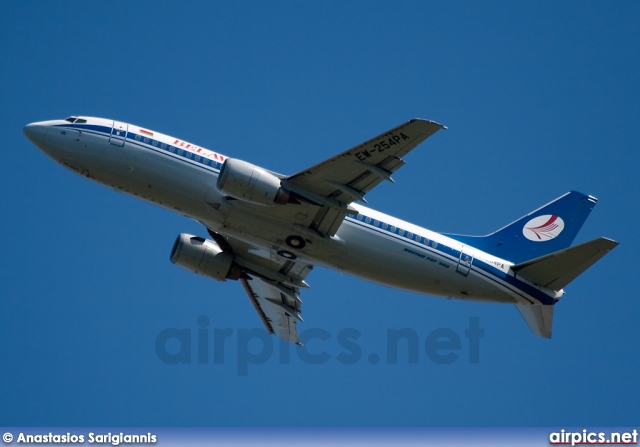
<point x="268" y="230"/>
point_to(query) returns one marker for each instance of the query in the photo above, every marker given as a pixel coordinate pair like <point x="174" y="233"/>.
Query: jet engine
<point x="204" y="257"/>
<point x="250" y="183"/>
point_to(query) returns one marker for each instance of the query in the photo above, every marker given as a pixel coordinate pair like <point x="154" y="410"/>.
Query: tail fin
<point x="541" y="232"/>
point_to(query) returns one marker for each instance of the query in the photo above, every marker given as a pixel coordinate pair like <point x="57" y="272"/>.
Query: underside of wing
<point x="335" y="183"/>
<point x="348" y="176"/>
<point x="273" y="285"/>
<point x="278" y="312"/>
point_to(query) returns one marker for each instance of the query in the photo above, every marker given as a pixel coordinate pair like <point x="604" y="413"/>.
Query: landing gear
<point x="296" y="242"/>
<point x="287" y="254"/>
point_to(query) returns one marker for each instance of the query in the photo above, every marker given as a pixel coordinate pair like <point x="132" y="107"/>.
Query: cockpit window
<point x="74" y="119"/>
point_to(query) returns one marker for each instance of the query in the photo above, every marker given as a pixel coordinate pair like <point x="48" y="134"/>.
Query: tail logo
<point x="543" y="228"/>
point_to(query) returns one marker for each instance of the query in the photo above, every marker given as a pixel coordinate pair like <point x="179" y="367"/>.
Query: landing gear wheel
<point x="296" y="242"/>
<point x="287" y="254"/>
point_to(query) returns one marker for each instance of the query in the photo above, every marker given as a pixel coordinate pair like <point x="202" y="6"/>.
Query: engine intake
<point x="250" y="183"/>
<point x="204" y="257"/>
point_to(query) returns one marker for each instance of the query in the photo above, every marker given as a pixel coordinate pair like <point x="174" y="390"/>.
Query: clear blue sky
<point x="540" y="98"/>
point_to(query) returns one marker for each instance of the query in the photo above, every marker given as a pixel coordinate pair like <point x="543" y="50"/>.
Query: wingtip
<point x="442" y="126"/>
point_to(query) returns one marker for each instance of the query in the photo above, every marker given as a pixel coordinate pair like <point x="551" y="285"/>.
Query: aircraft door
<point x="464" y="262"/>
<point x="118" y="133"/>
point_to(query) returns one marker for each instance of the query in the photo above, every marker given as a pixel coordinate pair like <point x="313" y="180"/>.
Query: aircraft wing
<point x="325" y="190"/>
<point x="272" y="283"/>
<point x="335" y="183"/>
<point x="278" y="312"/>
<point x="350" y="175"/>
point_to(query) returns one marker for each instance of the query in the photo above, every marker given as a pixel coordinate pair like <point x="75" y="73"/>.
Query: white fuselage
<point x="371" y="245"/>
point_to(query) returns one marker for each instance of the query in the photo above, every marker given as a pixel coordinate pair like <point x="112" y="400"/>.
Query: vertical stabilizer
<point x="548" y="229"/>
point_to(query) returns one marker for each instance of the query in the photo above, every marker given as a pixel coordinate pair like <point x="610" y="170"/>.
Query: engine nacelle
<point x="250" y="183"/>
<point x="203" y="257"/>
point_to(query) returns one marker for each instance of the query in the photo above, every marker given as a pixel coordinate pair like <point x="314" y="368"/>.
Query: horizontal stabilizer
<point x="556" y="270"/>
<point x="539" y="318"/>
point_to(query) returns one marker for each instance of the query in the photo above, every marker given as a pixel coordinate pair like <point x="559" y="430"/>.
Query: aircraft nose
<point x="35" y="132"/>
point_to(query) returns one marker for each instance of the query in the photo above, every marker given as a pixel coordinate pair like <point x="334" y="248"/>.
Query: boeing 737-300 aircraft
<point x="269" y="230"/>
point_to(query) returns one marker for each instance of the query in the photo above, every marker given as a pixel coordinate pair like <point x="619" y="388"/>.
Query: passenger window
<point x="375" y="223"/>
<point x="392" y="228"/>
<point x="138" y="137"/>
<point x="154" y="142"/>
<point x="179" y="151"/>
<point x="163" y="145"/>
<point x="417" y="238"/>
<point x="368" y="220"/>
<point x="400" y="232"/>
<point x="384" y="226"/>
<point x="146" y="140"/>
<point x="410" y="235"/>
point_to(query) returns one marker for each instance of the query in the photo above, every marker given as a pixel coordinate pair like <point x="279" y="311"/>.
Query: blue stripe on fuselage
<point x="451" y="255"/>
<point x="105" y="131"/>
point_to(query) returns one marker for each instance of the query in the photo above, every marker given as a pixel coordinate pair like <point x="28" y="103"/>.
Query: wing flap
<point x="279" y="313"/>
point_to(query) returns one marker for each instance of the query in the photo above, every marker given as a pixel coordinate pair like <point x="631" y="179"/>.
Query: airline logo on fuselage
<point x="197" y="149"/>
<point x="543" y="228"/>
